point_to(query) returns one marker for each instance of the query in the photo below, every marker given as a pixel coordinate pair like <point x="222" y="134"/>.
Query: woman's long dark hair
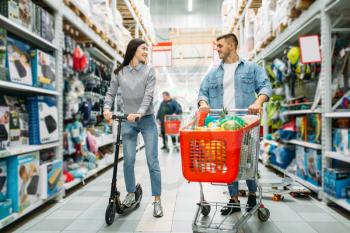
<point x="130" y="53"/>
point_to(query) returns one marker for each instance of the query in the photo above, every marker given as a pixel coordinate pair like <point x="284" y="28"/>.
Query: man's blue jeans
<point x="148" y="128"/>
<point x="233" y="189"/>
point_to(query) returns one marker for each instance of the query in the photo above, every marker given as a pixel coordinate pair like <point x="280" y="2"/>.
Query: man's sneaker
<point x="158" y="210"/>
<point x="251" y="202"/>
<point x="230" y="209"/>
<point x="164" y="148"/>
<point x="129" y="200"/>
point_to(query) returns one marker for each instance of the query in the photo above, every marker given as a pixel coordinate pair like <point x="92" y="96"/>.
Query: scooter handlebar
<point x="121" y="117"/>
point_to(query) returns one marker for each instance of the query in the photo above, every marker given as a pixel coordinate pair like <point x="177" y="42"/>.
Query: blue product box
<point x="301" y="170"/>
<point x="5" y="208"/>
<point x="18" y="62"/>
<point x="23" y="180"/>
<point x="339" y="180"/>
<point x="314" y="128"/>
<point x="43" y="119"/>
<point x="314" y="166"/>
<point x="44" y="69"/>
<point x="52" y="179"/>
<point x="3" y="180"/>
<point x="341" y="141"/>
<point x="284" y="156"/>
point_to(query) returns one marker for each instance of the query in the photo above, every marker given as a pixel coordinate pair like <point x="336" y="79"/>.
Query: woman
<point x="137" y="81"/>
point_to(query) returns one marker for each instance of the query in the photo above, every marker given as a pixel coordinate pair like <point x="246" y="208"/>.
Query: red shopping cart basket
<point x="212" y="156"/>
<point x="172" y="124"/>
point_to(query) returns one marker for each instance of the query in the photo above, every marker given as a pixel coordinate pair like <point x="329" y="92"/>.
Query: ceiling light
<point x="189" y="6"/>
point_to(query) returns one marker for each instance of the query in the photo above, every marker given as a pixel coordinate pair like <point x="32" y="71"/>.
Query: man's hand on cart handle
<point x="254" y="109"/>
<point x="203" y="106"/>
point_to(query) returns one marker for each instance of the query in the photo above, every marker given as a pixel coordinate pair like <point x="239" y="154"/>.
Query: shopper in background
<point x="235" y="83"/>
<point x="137" y="81"/>
<point x="168" y="106"/>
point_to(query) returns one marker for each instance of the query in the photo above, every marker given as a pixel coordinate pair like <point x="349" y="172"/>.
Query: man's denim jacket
<point x="250" y="81"/>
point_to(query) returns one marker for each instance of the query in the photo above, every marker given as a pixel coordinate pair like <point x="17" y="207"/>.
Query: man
<point x="167" y="107"/>
<point x="235" y="83"/>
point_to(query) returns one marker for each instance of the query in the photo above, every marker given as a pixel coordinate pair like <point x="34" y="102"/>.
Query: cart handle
<point x="120" y="117"/>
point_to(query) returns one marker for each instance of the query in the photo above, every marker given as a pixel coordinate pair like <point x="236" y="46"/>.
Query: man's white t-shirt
<point x="229" y="85"/>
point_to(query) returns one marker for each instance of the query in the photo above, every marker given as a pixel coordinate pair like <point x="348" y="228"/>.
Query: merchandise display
<point x="3" y="180"/>
<point x="18" y="62"/>
<point x="43" y="119"/>
<point x="51" y="181"/>
<point x="4" y="126"/>
<point x="3" y="48"/>
<point x="43" y="69"/>
<point x="23" y="180"/>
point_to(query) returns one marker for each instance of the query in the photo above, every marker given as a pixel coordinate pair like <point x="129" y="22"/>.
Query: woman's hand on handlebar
<point x="107" y="115"/>
<point x="133" y="117"/>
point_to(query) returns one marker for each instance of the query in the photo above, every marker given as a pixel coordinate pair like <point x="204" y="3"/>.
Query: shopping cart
<point x="220" y="158"/>
<point x="172" y="124"/>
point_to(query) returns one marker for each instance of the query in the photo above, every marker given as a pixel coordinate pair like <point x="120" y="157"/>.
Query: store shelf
<point x="305" y="144"/>
<point x="23" y="88"/>
<point x="138" y="21"/>
<point x="25" y="34"/>
<point x="338" y="156"/>
<point x="98" y="54"/>
<point x="71" y="184"/>
<point x="338" y="114"/>
<point x="308" y="21"/>
<point x="105" y="140"/>
<point x="341" y="202"/>
<point x="301" y="112"/>
<point x="24" y="149"/>
<point x="307" y="184"/>
<point x="83" y="27"/>
<point x="338" y="6"/>
<point x="15" y="216"/>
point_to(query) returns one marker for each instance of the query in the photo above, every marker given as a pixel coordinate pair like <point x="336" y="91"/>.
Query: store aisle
<point x="83" y="211"/>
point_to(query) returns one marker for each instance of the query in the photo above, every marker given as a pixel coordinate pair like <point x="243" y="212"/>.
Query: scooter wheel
<point x="263" y="214"/>
<point x="110" y="214"/>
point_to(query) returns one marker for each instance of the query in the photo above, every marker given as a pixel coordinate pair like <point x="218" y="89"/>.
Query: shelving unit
<point x="15" y="216"/>
<point x="12" y="151"/>
<point x="322" y="17"/>
<point x="341" y="202"/>
<point x="7" y="85"/>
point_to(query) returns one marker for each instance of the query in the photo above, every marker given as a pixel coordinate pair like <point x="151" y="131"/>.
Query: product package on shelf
<point x="10" y="9"/>
<point x="43" y="119"/>
<point x="284" y="156"/>
<point x="301" y="125"/>
<point x="47" y="25"/>
<point x="314" y="166"/>
<point x="314" y="128"/>
<point x="4" y="126"/>
<point x="25" y="13"/>
<point x="336" y="182"/>
<point x="301" y="162"/>
<point x="3" y="46"/>
<point x="36" y="19"/>
<point x="24" y="126"/>
<point x="44" y="70"/>
<point x="23" y="180"/>
<point x="51" y="178"/>
<point x="3" y="180"/>
<point x="341" y="141"/>
<point x="18" y="62"/>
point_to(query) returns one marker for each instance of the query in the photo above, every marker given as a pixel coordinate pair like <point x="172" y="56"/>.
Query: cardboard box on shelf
<point x="43" y="119"/>
<point x="5" y="208"/>
<point x="25" y="13"/>
<point x="51" y="178"/>
<point x="4" y="127"/>
<point x="43" y="69"/>
<point x="3" y="180"/>
<point x="10" y="9"/>
<point x="314" y="166"/>
<point x="23" y="181"/>
<point x="18" y="62"/>
<point x="341" y="141"/>
<point x="301" y="163"/>
<point x="3" y="43"/>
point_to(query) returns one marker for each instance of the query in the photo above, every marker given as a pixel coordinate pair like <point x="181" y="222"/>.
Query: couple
<point x="235" y="83"/>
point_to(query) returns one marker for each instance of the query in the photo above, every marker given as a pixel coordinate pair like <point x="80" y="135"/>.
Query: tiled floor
<point x="84" y="210"/>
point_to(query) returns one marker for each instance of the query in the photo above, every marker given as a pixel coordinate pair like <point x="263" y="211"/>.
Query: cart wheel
<point x="110" y="214"/>
<point x="263" y="214"/>
<point x="205" y="209"/>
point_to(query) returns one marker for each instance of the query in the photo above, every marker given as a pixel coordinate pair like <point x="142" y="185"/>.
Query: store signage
<point x="162" y="54"/>
<point x="310" y="51"/>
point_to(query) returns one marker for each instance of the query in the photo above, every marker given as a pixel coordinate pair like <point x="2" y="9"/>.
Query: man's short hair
<point x="166" y="93"/>
<point x="229" y="36"/>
